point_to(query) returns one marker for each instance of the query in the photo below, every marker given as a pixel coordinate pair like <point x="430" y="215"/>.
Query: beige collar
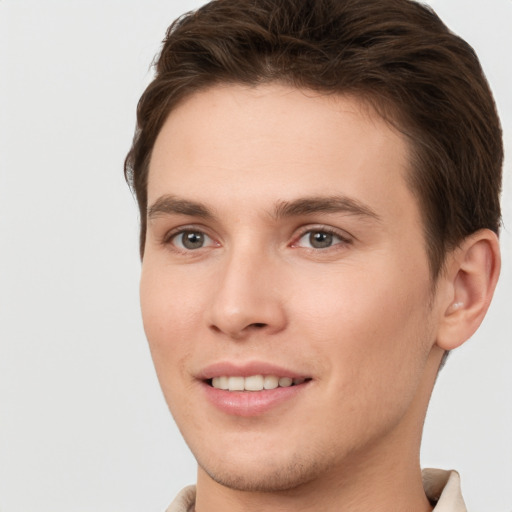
<point x="443" y="487"/>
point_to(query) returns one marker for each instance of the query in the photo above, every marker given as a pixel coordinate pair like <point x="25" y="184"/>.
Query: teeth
<point x="236" y="383"/>
<point x="223" y="382"/>
<point x="285" y="382"/>
<point x="254" y="382"/>
<point x="271" y="382"/>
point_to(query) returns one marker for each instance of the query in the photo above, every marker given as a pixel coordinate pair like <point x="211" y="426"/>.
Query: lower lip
<point x="251" y="403"/>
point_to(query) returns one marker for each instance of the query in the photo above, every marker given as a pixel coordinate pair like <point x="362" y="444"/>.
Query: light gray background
<point x="83" y="426"/>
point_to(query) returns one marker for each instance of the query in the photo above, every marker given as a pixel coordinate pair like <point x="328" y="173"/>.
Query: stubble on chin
<point x="272" y="478"/>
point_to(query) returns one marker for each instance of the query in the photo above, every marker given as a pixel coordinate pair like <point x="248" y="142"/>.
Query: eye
<point x="190" y="240"/>
<point x="320" y="239"/>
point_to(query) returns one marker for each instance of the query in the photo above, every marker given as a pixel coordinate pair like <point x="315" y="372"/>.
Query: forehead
<point x="274" y="143"/>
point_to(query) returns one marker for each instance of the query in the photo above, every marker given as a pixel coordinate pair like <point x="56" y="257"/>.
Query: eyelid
<point x="169" y="236"/>
<point x="345" y="237"/>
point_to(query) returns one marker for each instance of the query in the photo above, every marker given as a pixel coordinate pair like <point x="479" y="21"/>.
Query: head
<point x="318" y="184"/>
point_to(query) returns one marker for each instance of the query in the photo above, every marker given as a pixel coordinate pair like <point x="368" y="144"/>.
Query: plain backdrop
<point x="83" y="425"/>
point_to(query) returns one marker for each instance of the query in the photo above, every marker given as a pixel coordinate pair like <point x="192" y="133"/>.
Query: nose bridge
<point x="247" y="297"/>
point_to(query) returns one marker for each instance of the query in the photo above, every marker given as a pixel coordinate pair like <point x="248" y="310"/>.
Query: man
<point x="319" y="189"/>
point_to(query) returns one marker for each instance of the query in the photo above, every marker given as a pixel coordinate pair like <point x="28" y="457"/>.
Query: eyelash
<point x="344" y="240"/>
<point x="175" y="233"/>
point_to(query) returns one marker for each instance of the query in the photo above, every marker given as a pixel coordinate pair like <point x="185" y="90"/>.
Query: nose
<point x="248" y="298"/>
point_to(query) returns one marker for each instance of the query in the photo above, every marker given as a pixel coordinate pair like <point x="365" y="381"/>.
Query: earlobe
<point x="472" y="273"/>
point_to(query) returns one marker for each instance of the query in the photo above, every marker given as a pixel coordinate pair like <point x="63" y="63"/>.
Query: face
<point x="285" y="262"/>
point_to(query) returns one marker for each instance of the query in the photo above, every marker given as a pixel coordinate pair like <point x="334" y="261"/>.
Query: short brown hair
<point x="396" y="54"/>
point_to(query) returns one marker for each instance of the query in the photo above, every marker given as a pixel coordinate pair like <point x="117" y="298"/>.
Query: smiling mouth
<point x="254" y="382"/>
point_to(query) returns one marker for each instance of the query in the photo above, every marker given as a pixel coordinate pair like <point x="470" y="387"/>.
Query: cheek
<point x="372" y="322"/>
<point x="169" y="300"/>
<point x="168" y="312"/>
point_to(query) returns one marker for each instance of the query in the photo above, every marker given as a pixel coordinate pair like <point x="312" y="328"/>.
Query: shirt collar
<point x="443" y="489"/>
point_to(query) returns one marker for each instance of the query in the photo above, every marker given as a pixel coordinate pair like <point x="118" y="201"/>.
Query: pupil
<point x="193" y="240"/>
<point x="320" y="239"/>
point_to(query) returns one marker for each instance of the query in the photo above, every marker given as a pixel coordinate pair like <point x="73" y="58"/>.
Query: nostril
<point x="236" y="332"/>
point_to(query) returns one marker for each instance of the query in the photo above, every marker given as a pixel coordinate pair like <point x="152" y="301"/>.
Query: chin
<point x="268" y="475"/>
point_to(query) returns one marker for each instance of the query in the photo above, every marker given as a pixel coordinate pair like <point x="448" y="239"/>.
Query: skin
<point x="359" y="317"/>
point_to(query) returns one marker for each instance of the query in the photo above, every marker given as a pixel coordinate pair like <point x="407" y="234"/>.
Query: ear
<point x="470" y="277"/>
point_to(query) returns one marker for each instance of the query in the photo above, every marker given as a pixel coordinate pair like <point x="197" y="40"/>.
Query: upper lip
<point x="246" y="369"/>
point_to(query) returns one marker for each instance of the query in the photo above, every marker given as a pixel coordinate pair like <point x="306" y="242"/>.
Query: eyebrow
<point x="330" y="204"/>
<point x="171" y="205"/>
